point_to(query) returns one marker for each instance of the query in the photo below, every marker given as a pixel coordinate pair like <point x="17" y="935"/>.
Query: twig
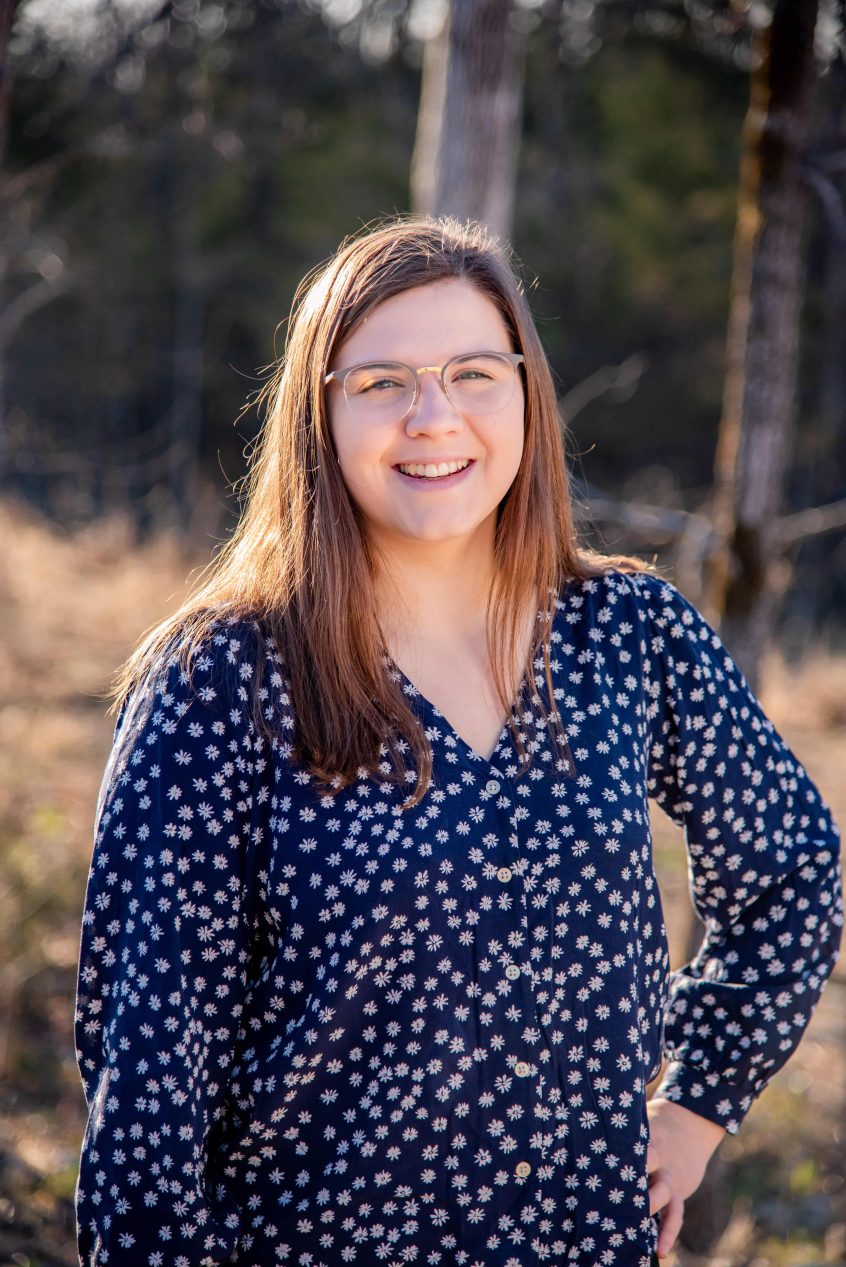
<point x="28" y="302"/>
<point x="620" y="381"/>
<point x="811" y="522"/>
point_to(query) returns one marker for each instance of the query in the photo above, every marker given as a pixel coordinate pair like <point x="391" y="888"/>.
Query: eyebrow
<point x="398" y="360"/>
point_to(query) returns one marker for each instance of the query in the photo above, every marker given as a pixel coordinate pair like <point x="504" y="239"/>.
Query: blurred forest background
<point x="672" y="175"/>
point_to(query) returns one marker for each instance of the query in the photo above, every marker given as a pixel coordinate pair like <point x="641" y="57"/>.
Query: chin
<point x="436" y="533"/>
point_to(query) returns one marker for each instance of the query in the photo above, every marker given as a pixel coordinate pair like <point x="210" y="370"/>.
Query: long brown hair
<point x="298" y="563"/>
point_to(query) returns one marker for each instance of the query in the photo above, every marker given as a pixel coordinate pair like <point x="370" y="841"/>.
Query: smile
<point x="432" y="470"/>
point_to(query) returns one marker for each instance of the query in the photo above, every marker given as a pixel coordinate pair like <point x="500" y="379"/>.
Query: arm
<point x="764" y="868"/>
<point x="168" y="947"/>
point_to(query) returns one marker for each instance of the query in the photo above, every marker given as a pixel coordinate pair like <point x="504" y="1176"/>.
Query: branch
<point x="620" y="381"/>
<point x="28" y="302"/>
<point x="833" y="161"/>
<point x="811" y="522"/>
<point x="640" y="517"/>
<point x="830" y="197"/>
<point x="647" y="520"/>
<point x="15" y="186"/>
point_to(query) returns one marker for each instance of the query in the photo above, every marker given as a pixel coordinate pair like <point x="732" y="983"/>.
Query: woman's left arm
<point x="765" y="872"/>
<point x="172" y="934"/>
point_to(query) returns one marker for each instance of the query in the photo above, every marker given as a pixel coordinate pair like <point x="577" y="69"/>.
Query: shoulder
<point x="645" y="593"/>
<point x="633" y="604"/>
<point x="653" y="596"/>
<point x="199" y="661"/>
<point x="202" y="676"/>
<point x="200" y="702"/>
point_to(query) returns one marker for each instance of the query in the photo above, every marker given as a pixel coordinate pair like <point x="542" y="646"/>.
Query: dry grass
<point x="73" y="606"/>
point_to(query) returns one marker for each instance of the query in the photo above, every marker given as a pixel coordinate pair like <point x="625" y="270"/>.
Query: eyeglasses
<point x="386" y="391"/>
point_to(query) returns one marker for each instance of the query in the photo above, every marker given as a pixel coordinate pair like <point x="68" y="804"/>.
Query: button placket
<point x="502" y="809"/>
<point x="540" y="1135"/>
<point x="522" y="1069"/>
<point x="536" y="1136"/>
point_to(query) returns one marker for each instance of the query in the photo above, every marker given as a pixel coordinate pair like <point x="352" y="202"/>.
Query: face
<point x="424" y="326"/>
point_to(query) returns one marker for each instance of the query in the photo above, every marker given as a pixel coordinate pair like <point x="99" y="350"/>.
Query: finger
<point x="660" y="1192"/>
<point x="671" y="1221"/>
<point x="652" y="1158"/>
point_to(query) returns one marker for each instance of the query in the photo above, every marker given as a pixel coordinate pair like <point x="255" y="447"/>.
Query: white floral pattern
<point x="319" y="1030"/>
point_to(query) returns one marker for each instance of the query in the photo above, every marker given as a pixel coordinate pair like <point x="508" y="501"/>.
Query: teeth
<point x="430" y="471"/>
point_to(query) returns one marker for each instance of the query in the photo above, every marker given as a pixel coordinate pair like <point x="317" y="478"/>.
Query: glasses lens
<point x="482" y="383"/>
<point x="383" y="390"/>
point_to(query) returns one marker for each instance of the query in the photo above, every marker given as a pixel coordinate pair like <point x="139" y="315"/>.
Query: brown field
<point x="73" y="605"/>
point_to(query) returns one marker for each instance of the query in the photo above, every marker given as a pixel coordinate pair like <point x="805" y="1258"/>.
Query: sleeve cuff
<point x="705" y="1094"/>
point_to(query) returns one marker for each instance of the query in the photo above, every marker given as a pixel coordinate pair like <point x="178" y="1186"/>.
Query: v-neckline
<point x="459" y="739"/>
<point x="513" y="711"/>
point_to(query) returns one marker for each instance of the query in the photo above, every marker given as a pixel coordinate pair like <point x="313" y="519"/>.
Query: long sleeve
<point x="763" y="865"/>
<point x="167" y="948"/>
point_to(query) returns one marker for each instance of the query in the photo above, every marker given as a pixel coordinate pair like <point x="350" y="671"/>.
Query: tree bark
<point x="7" y="12"/>
<point x="188" y="332"/>
<point x="759" y="399"/>
<point x="763" y="333"/>
<point x="465" y="154"/>
<point x="830" y="398"/>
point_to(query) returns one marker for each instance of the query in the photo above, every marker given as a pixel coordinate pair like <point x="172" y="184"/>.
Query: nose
<point x="433" y="412"/>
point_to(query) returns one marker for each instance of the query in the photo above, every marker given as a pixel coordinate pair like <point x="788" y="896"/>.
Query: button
<point x="492" y="786"/>
<point x="504" y="874"/>
<point x="522" y="1169"/>
<point x="522" y="1069"/>
<point x="512" y="972"/>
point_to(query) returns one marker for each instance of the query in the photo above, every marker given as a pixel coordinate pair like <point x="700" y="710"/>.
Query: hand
<point x="680" y="1145"/>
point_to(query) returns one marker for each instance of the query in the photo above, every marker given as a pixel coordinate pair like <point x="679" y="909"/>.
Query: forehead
<point x="427" y="325"/>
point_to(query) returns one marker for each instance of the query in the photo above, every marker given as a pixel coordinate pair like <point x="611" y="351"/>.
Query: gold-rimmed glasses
<point x="386" y="391"/>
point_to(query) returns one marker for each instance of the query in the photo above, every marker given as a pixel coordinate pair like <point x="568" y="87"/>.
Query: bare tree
<point x="7" y="12"/>
<point x="763" y="332"/>
<point x="467" y="144"/>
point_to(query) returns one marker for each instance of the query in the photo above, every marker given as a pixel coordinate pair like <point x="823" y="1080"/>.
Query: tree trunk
<point x="465" y="153"/>
<point x="763" y="332"/>
<point x="831" y="395"/>
<point x="188" y="332"/>
<point x="759" y="400"/>
<point x="7" y="12"/>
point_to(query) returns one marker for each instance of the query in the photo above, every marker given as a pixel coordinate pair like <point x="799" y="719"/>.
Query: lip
<point x="434" y="461"/>
<point x="420" y="482"/>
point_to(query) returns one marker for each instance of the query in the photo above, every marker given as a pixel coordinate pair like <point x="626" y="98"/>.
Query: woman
<point x="373" y="957"/>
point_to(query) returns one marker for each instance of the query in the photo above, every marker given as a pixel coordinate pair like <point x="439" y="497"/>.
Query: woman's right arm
<point x="168" y="939"/>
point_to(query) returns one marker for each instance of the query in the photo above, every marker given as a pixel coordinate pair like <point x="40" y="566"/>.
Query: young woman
<point x="373" y="961"/>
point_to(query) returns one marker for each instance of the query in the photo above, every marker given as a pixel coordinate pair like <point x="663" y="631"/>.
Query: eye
<point x="376" y="385"/>
<point x="479" y="371"/>
<point x="375" y="380"/>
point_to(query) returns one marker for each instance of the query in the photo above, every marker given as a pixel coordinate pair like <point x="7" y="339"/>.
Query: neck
<point x="431" y="592"/>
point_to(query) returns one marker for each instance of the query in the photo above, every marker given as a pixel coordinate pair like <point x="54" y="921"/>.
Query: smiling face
<point x="426" y="326"/>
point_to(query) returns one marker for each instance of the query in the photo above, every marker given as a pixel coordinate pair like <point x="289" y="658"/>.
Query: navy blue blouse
<point x="318" y="1030"/>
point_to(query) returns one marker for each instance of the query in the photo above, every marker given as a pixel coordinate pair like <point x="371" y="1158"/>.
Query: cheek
<point x="360" y="466"/>
<point x="356" y="447"/>
<point x="338" y="432"/>
<point x="508" y="447"/>
<point x="347" y="453"/>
